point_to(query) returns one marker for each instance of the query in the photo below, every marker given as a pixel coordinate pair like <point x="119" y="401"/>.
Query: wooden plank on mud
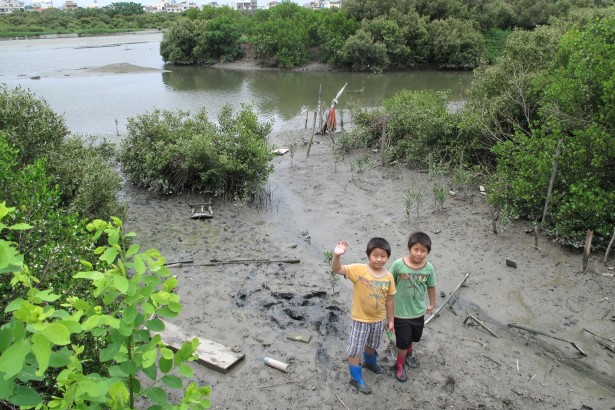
<point x="211" y="354"/>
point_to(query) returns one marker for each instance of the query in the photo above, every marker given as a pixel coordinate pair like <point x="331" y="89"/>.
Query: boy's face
<point x="418" y="253"/>
<point x="377" y="258"/>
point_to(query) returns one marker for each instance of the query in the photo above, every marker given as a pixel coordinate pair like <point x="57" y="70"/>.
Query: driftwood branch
<point x="484" y="345"/>
<point x="543" y="333"/>
<point x="218" y="262"/>
<point x="602" y="341"/>
<point x="343" y="404"/>
<point x="429" y="319"/>
<point x="481" y="324"/>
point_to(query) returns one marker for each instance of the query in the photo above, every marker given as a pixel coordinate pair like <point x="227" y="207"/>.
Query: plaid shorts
<point x="364" y="334"/>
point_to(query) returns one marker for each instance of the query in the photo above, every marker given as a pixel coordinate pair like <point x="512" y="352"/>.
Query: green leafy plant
<point x="413" y="198"/>
<point x="135" y="289"/>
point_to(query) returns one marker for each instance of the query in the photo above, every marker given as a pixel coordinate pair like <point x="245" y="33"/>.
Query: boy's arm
<point x="336" y="263"/>
<point x="431" y="293"/>
<point x="390" y="312"/>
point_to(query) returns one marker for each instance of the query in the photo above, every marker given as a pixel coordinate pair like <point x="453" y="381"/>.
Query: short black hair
<point x="378" y="243"/>
<point x="419" y="237"/>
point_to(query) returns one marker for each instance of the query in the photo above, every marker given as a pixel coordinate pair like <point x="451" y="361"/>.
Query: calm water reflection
<point x="100" y="103"/>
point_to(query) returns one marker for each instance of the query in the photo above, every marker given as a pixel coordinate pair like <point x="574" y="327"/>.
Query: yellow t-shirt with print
<point x="369" y="293"/>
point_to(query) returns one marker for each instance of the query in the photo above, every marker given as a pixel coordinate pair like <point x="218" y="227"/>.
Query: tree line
<point x="363" y="35"/>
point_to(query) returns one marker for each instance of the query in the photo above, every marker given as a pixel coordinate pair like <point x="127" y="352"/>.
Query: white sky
<point x="85" y="3"/>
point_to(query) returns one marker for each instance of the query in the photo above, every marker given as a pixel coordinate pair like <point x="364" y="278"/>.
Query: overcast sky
<point x="85" y="3"/>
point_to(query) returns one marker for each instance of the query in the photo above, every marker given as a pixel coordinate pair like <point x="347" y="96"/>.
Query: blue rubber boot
<point x="371" y="362"/>
<point x="356" y="379"/>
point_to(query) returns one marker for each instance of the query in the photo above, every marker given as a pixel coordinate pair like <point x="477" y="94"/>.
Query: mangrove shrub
<point x="170" y="152"/>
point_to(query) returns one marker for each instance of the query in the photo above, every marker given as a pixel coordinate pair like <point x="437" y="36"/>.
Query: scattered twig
<point x="343" y="404"/>
<point x="285" y="383"/>
<point x="178" y="264"/>
<point x="543" y="333"/>
<point x="481" y="324"/>
<point x="447" y="300"/>
<point x="484" y="345"/>
<point x="494" y="361"/>
<point x="532" y="378"/>
<point x="517" y="365"/>
<point x="606" y="314"/>
<point x="602" y="341"/>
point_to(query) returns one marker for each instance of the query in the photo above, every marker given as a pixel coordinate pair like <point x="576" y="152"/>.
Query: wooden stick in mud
<point x="481" y="324"/>
<point x="543" y="333"/>
<point x="608" y="248"/>
<point x="589" y="235"/>
<point x="447" y="300"/>
<point x="602" y="341"/>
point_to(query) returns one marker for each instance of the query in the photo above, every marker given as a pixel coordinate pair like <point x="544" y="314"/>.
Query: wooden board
<point x="211" y="354"/>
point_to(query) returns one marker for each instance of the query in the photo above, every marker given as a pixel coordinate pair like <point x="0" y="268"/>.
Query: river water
<point x="66" y="73"/>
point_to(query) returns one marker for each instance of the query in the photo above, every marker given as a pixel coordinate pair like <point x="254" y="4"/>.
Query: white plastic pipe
<point x="276" y="364"/>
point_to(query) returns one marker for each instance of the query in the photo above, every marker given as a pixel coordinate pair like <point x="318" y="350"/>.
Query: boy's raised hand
<point x="340" y="249"/>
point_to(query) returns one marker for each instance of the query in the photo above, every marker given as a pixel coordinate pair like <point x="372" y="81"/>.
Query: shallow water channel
<point x="98" y="102"/>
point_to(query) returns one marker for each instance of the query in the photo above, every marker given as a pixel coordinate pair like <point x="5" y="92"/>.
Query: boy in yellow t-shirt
<point x="372" y="306"/>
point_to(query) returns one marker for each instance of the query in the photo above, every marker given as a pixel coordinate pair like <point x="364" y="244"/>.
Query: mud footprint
<point x="449" y="385"/>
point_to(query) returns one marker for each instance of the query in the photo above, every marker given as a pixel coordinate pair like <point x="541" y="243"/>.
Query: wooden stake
<point x="383" y="141"/>
<point x="429" y="319"/>
<point x="312" y="137"/>
<point x="608" y="248"/>
<point x="307" y="116"/>
<point x="587" y="249"/>
<point x="481" y="324"/>
<point x="543" y="333"/>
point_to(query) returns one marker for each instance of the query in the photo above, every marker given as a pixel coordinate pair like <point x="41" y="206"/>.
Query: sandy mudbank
<point x="315" y="201"/>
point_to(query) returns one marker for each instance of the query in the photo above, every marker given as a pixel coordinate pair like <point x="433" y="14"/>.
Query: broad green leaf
<point x="165" y="365"/>
<point x="132" y="250"/>
<point x="151" y="372"/>
<point x="186" y="370"/>
<point x="167" y="353"/>
<point x="91" y="389"/>
<point x="129" y="314"/>
<point x="20" y="226"/>
<point x="120" y="283"/>
<point x="139" y="265"/>
<point x="170" y="284"/>
<point x="157" y="395"/>
<point x="116" y="371"/>
<point x="57" y="333"/>
<point x="129" y="367"/>
<point x="14" y="305"/>
<point x="47" y="296"/>
<point x="125" y="330"/>
<point x="92" y="275"/>
<point x="148" y="308"/>
<point x="60" y="358"/>
<point x="42" y="351"/>
<point x="141" y="335"/>
<point x="155" y="325"/>
<point x="151" y="280"/>
<point x="166" y="312"/>
<point x="12" y="359"/>
<point x="109" y="255"/>
<point x="25" y="396"/>
<point x="91" y="322"/>
<point x="6" y="387"/>
<point x="149" y="358"/>
<point x="172" y="381"/>
<point x="5" y="338"/>
<point x="111" y="321"/>
<point x="109" y="352"/>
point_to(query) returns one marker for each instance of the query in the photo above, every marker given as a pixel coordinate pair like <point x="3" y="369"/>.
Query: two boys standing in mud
<point x="387" y="300"/>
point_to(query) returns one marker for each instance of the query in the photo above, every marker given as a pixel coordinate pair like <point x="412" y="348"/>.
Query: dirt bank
<point x="318" y="200"/>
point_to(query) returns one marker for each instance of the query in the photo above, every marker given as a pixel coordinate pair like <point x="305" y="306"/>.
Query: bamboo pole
<point x="429" y="319"/>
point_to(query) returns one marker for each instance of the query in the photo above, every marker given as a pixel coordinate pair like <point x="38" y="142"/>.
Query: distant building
<point x="70" y="5"/>
<point x="245" y="5"/>
<point x="93" y="5"/>
<point x="42" y="5"/>
<point x="10" y="6"/>
<point x="171" y="7"/>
